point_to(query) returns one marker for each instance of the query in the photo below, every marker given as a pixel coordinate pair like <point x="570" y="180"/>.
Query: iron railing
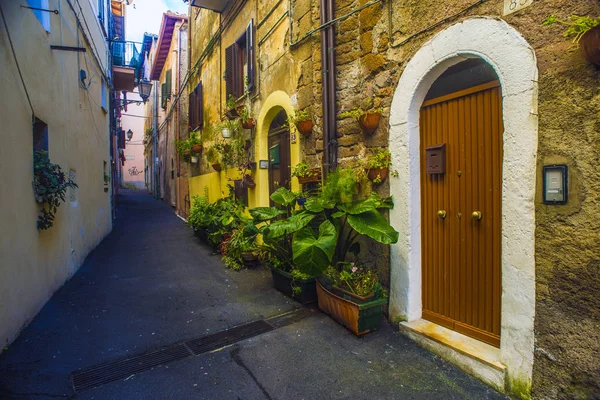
<point x="126" y="54"/>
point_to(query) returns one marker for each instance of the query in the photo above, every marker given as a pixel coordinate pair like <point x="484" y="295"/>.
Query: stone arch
<point x="274" y="103"/>
<point x="514" y="61"/>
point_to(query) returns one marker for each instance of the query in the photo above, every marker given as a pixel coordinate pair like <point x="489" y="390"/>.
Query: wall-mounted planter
<point x="374" y="173"/>
<point x="314" y="176"/>
<point x="247" y="144"/>
<point x="358" y="317"/>
<point x="194" y="159"/>
<point x="250" y="123"/>
<point x="369" y="122"/>
<point x="249" y="182"/>
<point x="226" y="133"/>
<point x="197" y="148"/>
<point x="232" y="113"/>
<point x="589" y="45"/>
<point x="216" y="167"/>
<point x="305" y="127"/>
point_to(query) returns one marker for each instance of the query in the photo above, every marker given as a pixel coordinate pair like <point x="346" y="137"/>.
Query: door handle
<point x="442" y="214"/>
<point x="476" y="215"/>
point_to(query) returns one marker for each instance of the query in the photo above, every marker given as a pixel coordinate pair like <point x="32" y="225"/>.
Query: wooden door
<point x="279" y="171"/>
<point x="461" y="251"/>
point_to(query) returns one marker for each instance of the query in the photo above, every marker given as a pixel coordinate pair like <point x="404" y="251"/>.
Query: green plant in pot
<point x="302" y="120"/>
<point x="305" y="174"/>
<point x="585" y="31"/>
<point x="50" y="187"/>
<point x="368" y="120"/>
<point x="377" y="165"/>
<point x="241" y="248"/>
<point x="248" y="121"/>
<point x="213" y="158"/>
<point x="232" y="108"/>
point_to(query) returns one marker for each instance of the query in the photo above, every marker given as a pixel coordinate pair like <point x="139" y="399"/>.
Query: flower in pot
<point x="368" y="120"/>
<point x="378" y="164"/>
<point x="241" y="250"/>
<point x="585" y="32"/>
<point x="229" y="128"/>
<point x="248" y="181"/>
<point x="50" y="188"/>
<point x="302" y="120"/>
<point x="232" y="109"/>
<point x="306" y="174"/>
<point x="248" y="122"/>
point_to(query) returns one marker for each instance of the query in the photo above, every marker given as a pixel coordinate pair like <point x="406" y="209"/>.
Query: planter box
<point x="250" y="260"/>
<point x="282" y="281"/>
<point x="358" y="318"/>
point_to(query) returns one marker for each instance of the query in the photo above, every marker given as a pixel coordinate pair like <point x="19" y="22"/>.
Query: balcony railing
<point x="127" y="54"/>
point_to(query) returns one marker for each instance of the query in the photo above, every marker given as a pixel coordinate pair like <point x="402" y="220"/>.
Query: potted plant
<point x="212" y="156"/>
<point x="277" y="226"/>
<point x="353" y="296"/>
<point x="49" y="187"/>
<point x="368" y="120"/>
<point x="306" y="174"/>
<point x="301" y="198"/>
<point x="241" y="250"/>
<point x="378" y="164"/>
<point x="229" y="128"/>
<point x="232" y="109"/>
<point x="248" y="122"/>
<point x="585" y="32"/>
<point x="248" y="181"/>
<point x="302" y="120"/>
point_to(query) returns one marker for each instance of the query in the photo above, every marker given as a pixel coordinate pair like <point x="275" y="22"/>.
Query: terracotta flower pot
<point x="589" y="45"/>
<point x="217" y="167"/>
<point x="375" y="172"/>
<point x="232" y="113"/>
<point x="369" y="122"/>
<point x="248" y="144"/>
<point x="249" y="182"/>
<point x="197" y="148"/>
<point x="227" y="147"/>
<point x="315" y="174"/>
<point x="358" y="318"/>
<point x="250" y="123"/>
<point x="305" y="127"/>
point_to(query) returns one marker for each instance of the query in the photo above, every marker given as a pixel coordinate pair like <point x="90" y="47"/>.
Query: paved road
<point x="150" y="284"/>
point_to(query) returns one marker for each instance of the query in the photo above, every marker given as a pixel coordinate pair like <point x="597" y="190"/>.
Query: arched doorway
<point x="279" y="152"/>
<point x="513" y="60"/>
<point x="461" y="177"/>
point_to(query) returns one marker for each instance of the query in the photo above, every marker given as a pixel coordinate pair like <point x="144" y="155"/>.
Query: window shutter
<point x="168" y="82"/>
<point x="250" y="54"/>
<point x="121" y="139"/>
<point x="229" y="72"/>
<point x="163" y="97"/>
<point x="192" y="110"/>
<point x="199" y="105"/>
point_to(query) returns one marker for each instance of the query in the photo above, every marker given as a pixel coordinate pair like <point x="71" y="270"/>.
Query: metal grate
<point x="114" y="371"/>
<point x="122" y="369"/>
<point x="228" y="337"/>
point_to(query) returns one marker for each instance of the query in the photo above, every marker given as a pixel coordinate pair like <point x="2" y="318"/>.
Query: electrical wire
<point x="16" y="62"/>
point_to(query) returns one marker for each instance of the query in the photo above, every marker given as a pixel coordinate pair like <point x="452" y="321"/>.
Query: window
<point x="196" y="108"/>
<point x="101" y="11"/>
<point x="40" y="135"/>
<point x="239" y="64"/>
<point x="42" y="16"/>
<point x="165" y="90"/>
<point x="103" y="98"/>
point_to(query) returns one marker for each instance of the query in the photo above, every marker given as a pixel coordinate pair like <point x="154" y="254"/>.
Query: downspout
<point x="178" y="125"/>
<point x="155" y="155"/>
<point x="331" y="69"/>
<point x="325" y="89"/>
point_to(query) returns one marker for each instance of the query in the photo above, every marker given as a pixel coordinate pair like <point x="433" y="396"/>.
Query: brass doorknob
<point x="442" y="214"/>
<point x="476" y="215"/>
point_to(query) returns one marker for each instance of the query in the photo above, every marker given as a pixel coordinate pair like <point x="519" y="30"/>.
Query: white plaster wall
<point x="515" y="64"/>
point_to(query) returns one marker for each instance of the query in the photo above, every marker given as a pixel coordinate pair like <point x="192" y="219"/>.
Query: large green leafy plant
<point x="50" y="187"/>
<point x="218" y="218"/>
<point x="342" y="220"/>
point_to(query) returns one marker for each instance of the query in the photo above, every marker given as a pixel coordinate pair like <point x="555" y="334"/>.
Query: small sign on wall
<point x="511" y="6"/>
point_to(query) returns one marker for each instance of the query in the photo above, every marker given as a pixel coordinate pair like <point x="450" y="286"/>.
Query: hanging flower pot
<point x="247" y="145"/>
<point x="216" y="167"/>
<point x="377" y="175"/>
<point x="194" y="159"/>
<point x="250" y="123"/>
<point x="226" y="133"/>
<point x="305" y="127"/>
<point x="197" y="148"/>
<point x="589" y="45"/>
<point x="369" y="122"/>
<point x="313" y="175"/>
<point x="249" y="182"/>
<point x="301" y="201"/>
<point x="227" y="147"/>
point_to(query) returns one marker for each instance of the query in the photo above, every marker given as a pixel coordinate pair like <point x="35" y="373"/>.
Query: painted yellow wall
<point x="34" y="264"/>
<point x="277" y="76"/>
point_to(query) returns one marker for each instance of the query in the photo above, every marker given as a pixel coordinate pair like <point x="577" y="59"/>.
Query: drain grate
<point x="122" y="369"/>
<point x="226" y="338"/>
<point x="114" y="371"/>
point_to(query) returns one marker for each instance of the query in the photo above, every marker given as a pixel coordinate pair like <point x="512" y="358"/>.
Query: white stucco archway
<point x="514" y="61"/>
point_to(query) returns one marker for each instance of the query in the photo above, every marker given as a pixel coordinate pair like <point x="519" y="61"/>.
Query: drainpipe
<point x="328" y="69"/>
<point x="325" y="89"/>
<point x="155" y="133"/>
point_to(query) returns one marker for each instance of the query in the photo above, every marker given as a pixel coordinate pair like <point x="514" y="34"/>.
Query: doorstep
<point x="476" y="358"/>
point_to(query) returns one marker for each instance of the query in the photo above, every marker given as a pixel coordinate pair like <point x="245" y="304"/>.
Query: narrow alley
<point x="151" y="284"/>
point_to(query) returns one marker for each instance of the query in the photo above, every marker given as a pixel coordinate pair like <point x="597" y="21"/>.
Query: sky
<point x="146" y="16"/>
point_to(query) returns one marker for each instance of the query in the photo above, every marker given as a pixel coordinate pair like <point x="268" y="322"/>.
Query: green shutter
<point x="163" y="97"/>
<point x="168" y="82"/>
